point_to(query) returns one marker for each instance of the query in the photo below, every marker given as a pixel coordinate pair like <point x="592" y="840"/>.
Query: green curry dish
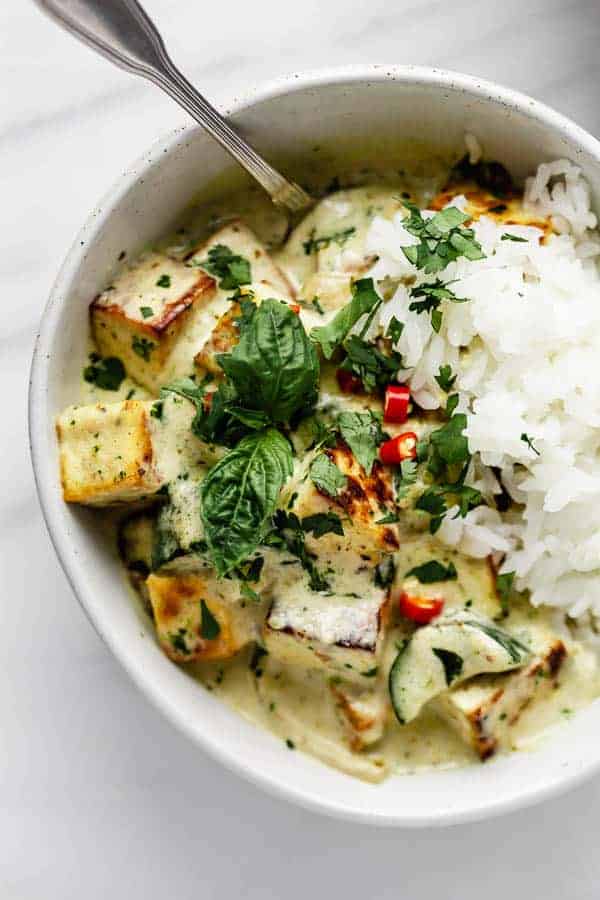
<point x="442" y="239"/>
<point x="239" y="496"/>
<point x="233" y="271"/>
<point x="453" y="648"/>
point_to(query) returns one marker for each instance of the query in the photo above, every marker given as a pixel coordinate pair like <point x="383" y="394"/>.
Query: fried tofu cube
<point x="243" y="242"/>
<point x="338" y="633"/>
<point x="113" y="453"/>
<point x="363" y="712"/>
<point x="363" y="501"/>
<point x="483" y="710"/>
<point x="106" y="453"/>
<point x="508" y="210"/>
<point x="179" y="602"/>
<point x="147" y="315"/>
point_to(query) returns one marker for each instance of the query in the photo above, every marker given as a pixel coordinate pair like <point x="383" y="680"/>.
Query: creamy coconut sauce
<point x="295" y="703"/>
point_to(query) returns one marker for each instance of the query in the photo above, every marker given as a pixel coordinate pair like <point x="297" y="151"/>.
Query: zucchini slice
<point x="453" y="648"/>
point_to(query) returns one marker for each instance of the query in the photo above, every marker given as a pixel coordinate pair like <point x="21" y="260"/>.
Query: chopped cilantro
<point x="143" y="347"/>
<point x="106" y="374"/>
<point x="209" y="627"/>
<point x="146" y="311"/>
<point x="317" y="306"/>
<point x="232" y="270"/>
<point x="164" y="281"/>
<point x="445" y="378"/>
<point x="394" y="329"/>
<point x="289" y="535"/>
<point x="504" y="586"/>
<point x="389" y="518"/>
<point x="442" y="238"/>
<point x="432" y="571"/>
<point x="433" y="293"/>
<point x="156" y="410"/>
<point x="529" y="441"/>
<point x="513" y="237"/>
<point x="314" y="244"/>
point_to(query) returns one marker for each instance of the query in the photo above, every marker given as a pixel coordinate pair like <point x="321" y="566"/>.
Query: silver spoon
<point x="123" y="32"/>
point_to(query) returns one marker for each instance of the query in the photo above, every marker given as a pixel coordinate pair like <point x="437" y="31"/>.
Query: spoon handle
<point x="122" y="31"/>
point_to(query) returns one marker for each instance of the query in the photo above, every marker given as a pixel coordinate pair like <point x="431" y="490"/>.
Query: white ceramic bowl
<point x="288" y="118"/>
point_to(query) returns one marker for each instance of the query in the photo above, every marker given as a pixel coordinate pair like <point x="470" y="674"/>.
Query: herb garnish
<point x="433" y="571"/>
<point x="362" y="432"/>
<point x="209" y="627"/>
<point x="107" y="373"/>
<point x="442" y="239"/>
<point x="314" y="244"/>
<point x="322" y="523"/>
<point x="232" y="270"/>
<point x="164" y="281"/>
<point x="290" y="535"/>
<point x="446" y="378"/>
<point x="452" y="663"/>
<point x="513" y="237"/>
<point x="146" y="311"/>
<point x="364" y="299"/>
<point x="374" y="368"/>
<point x="529" y="441"/>
<point x="317" y="306"/>
<point x="239" y="496"/>
<point x="504" y="587"/>
<point x="143" y="347"/>
<point x="433" y="293"/>
<point x="404" y="477"/>
<point x="394" y="330"/>
<point x="326" y="476"/>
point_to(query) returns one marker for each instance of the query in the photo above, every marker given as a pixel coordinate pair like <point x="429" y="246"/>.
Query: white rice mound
<point x="526" y="348"/>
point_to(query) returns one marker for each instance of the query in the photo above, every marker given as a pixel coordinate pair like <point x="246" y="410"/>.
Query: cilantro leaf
<point x="107" y="374"/>
<point x="394" y="330"/>
<point x="289" y="535"/>
<point x="323" y="523"/>
<point x="529" y="441"/>
<point x="405" y="476"/>
<point x="504" y="587"/>
<point x="442" y="238"/>
<point x="142" y="346"/>
<point x="449" y="442"/>
<point x="433" y="293"/>
<point x="390" y="518"/>
<point x="374" y="368"/>
<point x="364" y="299"/>
<point x="326" y="476"/>
<point x="209" y="627"/>
<point x="513" y="237"/>
<point x="146" y="311"/>
<point x="362" y="432"/>
<point x="231" y="270"/>
<point x="445" y="378"/>
<point x="314" y="244"/>
<point x="433" y="571"/>
<point x="164" y="281"/>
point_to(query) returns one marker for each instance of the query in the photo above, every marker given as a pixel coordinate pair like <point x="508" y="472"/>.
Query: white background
<point x="99" y="797"/>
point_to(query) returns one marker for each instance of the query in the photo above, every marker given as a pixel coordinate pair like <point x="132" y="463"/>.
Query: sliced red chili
<point x="397" y="401"/>
<point x="349" y="383"/>
<point x="420" y="609"/>
<point x="394" y="451"/>
<point x="295" y="308"/>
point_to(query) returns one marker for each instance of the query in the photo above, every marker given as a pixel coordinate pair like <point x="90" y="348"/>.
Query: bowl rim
<point x="43" y="461"/>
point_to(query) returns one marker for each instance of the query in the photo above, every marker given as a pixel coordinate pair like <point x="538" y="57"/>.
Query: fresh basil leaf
<point x="362" y="432"/>
<point x="326" y="476"/>
<point x="209" y="627"/>
<point x="433" y="571"/>
<point x="239" y="496"/>
<point x="107" y="374"/>
<point x="274" y="367"/>
<point x="322" y="523"/>
<point x="330" y="336"/>
<point x="452" y="663"/>
<point x="232" y="270"/>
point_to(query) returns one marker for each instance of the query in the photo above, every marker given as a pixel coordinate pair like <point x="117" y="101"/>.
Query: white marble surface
<point x="99" y="796"/>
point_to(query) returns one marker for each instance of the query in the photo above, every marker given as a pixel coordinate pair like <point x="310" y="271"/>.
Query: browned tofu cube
<point x="178" y="603"/>
<point x="243" y="242"/>
<point x="483" y="710"/>
<point x="363" y="712"/>
<point x="149" y="316"/>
